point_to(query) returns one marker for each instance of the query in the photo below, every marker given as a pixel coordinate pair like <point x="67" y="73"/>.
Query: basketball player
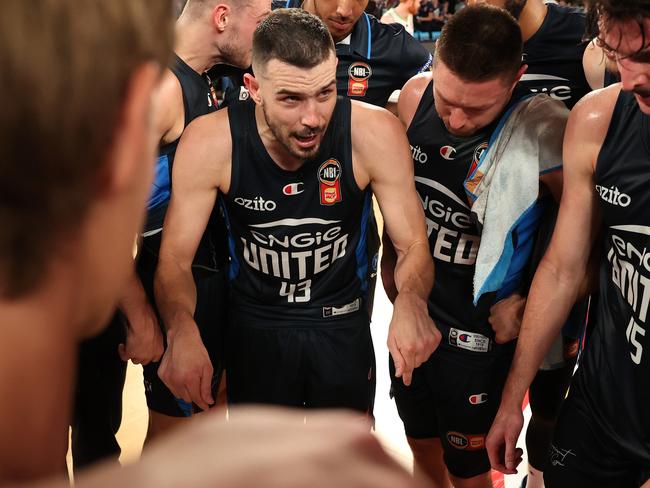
<point x="450" y="116"/>
<point x="295" y="175"/>
<point x="554" y="51"/>
<point x="600" y="439"/>
<point x="207" y="33"/>
<point x="81" y="172"/>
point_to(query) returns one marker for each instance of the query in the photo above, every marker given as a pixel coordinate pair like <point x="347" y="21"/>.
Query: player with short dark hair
<point x="451" y="117"/>
<point x="299" y="330"/>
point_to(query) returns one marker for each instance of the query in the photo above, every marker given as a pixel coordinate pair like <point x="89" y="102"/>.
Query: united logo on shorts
<point x="359" y="74"/>
<point x="329" y="176"/>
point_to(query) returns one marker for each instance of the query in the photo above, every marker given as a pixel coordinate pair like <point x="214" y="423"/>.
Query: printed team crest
<point x="329" y="176"/>
<point x="359" y="73"/>
<point x="478" y="154"/>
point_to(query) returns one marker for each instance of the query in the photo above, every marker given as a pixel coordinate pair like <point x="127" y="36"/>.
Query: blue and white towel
<point x="504" y="187"/>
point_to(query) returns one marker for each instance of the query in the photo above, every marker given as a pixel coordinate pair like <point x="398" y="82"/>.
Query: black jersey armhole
<point x="612" y="131"/>
<point x="237" y="119"/>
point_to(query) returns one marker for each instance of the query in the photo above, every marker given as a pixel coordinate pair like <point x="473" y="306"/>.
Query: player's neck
<point x="194" y="47"/>
<point x="275" y="148"/>
<point x="532" y="18"/>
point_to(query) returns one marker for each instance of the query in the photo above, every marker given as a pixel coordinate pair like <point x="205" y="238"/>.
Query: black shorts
<point x="210" y="317"/>
<point x="583" y="454"/>
<point x="454" y="396"/>
<point x="324" y="364"/>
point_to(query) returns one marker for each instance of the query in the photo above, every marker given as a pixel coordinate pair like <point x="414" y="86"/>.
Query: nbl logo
<point x="359" y="71"/>
<point x="359" y="74"/>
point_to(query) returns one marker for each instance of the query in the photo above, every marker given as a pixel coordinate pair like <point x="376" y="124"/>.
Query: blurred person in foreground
<point x="72" y="171"/>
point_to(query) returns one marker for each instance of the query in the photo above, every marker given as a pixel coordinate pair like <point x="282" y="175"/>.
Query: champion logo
<point x="478" y="399"/>
<point x="293" y="188"/>
<point x="447" y="152"/>
<point x="464" y="337"/>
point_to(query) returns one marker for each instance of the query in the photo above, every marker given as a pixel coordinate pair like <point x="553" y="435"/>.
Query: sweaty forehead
<point x="281" y="76"/>
<point x="456" y="91"/>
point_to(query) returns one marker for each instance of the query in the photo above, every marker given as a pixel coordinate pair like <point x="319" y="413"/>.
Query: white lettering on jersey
<point x="631" y="275"/>
<point x="614" y="196"/>
<point x="452" y="244"/>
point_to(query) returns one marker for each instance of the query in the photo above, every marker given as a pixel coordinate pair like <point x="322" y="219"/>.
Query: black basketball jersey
<point x="616" y="368"/>
<point x="554" y="56"/>
<point x="297" y="238"/>
<point x="197" y="101"/>
<point x="442" y="162"/>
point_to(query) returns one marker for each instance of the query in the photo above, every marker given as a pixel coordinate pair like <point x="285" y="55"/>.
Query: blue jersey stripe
<point x="161" y="188"/>
<point x="233" y="268"/>
<point x="361" y="252"/>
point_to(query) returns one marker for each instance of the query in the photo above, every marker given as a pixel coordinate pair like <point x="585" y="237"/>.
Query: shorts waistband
<point x="244" y="310"/>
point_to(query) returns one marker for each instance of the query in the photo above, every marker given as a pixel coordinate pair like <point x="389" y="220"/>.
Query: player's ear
<point x="133" y="135"/>
<point x="521" y="72"/>
<point x="253" y="86"/>
<point x="220" y="16"/>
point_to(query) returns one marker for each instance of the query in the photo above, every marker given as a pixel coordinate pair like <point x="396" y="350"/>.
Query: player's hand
<point x="144" y="341"/>
<point x="506" y="316"/>
<point x="412" y="335"/>
<point x="281" y="451"/>
<point x="186" y="368"/>
<point x="502" y="440"/>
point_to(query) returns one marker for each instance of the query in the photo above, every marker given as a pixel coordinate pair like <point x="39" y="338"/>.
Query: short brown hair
<point x="292" y="36"/>
<point x="481" y="43"/>
<point x="65" y="71"/>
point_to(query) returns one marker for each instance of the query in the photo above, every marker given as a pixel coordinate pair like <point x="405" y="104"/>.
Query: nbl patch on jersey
<point x="329" y="176"/>
<point x="358" y="75"/>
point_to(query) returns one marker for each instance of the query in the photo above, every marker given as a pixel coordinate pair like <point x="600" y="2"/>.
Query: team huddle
<point x="512" y="199"/>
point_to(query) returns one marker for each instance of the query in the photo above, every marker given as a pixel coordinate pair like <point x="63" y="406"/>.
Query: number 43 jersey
<point x="297" y="238"/>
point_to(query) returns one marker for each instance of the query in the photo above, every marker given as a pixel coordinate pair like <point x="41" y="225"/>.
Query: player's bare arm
<point x="199" y="169"/>
<point x="406" y="107"/>
<point x="560" y="274"/>
<point x="383" y="160"/>
<point x="144" y="342"/>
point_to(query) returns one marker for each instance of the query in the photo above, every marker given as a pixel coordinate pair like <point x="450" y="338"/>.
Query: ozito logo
<point x="293" y="189"/>
<point x="614" y="196"/>
<point x="359" y="71"/>
<point x="478" y="399"/>
<point x="329" y="175"/>
<point x="257" y="203"/>
<point x="448" y="152"/>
